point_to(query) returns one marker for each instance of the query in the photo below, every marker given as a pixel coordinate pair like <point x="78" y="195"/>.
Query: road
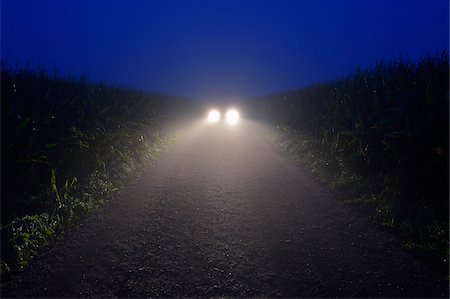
<point x="224" y="214"/>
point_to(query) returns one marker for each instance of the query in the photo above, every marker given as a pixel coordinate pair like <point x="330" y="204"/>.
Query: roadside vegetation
<point x="67" y="146"/>
<point x="378" y="137"/>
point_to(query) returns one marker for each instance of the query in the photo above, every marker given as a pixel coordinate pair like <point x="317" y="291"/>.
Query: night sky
<point x="214" y="50"/>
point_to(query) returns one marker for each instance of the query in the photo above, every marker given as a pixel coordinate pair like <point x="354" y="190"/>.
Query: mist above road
<point x="223" y="214"/>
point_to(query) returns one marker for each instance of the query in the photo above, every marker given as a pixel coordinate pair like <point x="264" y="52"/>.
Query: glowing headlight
<point x="232" y="117"/>
<point x="213" y="116"/>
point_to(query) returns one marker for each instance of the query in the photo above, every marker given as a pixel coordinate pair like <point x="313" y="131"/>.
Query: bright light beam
<point x="232" y="117"/>
<point x="213" y="116"/>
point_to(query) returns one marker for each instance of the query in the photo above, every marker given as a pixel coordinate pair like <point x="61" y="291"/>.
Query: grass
<point x="67" y="146"/>
<point x="380" y="137"/>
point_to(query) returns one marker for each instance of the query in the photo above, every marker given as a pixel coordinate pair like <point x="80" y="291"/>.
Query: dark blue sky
<point x="218" y="49"/>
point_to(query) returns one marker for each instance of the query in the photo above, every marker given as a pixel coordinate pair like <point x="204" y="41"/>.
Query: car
<point x="231" y="116"/>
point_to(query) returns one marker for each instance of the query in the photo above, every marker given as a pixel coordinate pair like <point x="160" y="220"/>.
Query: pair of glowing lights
<point x="231" y="117"/>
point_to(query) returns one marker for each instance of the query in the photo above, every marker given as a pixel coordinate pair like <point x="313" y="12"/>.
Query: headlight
<point x="213" y="116"/>
<point x="232" y="117"/>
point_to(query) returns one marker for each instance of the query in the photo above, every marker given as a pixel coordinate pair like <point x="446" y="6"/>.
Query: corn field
<point x="67" y="145"/>
<point x="380" y="136"/>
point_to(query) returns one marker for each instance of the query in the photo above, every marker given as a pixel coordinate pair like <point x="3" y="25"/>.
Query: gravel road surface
<point x="224" y="214"/>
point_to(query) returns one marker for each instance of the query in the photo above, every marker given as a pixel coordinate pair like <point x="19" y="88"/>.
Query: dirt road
<point x="224" y="214"/>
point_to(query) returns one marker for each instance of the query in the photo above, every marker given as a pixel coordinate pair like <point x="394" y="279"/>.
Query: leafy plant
<point x="68" y="145"/>
<point x="384" y="132"/>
